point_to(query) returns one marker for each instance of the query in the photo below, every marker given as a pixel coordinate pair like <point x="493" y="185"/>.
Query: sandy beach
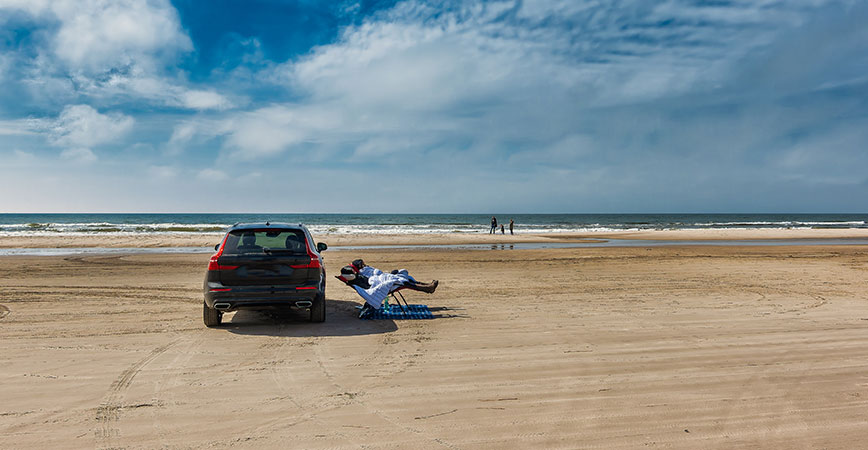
<point x="666" y="347"/>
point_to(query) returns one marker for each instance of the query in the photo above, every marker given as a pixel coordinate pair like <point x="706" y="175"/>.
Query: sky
<point x="582" y="106"/>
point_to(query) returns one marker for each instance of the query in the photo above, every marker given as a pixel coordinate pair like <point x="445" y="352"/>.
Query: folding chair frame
<point x="395" y="294"/>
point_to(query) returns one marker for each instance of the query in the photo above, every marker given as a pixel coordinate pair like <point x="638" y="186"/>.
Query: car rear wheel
<point x="211" y="316"/>
<point x="317" y="309"/>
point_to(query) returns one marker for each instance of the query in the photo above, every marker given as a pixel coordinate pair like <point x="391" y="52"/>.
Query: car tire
<point x="317" y="309"/>
<point x="211" y="316"/>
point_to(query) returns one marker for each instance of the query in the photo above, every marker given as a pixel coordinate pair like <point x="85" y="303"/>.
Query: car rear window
<point x="265" y="241"/>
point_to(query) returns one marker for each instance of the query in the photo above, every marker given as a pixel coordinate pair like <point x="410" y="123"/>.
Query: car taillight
<point x="213" y="264"/>
<point x="315" y="262"/>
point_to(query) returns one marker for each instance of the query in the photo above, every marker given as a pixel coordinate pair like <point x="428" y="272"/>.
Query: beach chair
<point x="404" y="310"/>
<point x="395" y="293"/>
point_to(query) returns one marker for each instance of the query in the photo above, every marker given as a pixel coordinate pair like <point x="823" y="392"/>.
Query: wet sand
<point x="208" y="240"/>
<point x="665" y="347"/>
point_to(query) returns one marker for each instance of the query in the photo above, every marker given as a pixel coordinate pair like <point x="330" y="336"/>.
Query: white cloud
<point x="193" y="132"/>
<point x="83" y="126"/>
<point x="212" y="175"/>
<point x="23" y="157"/>
<point x="266" y="131"/>
<point x="78" y="155"/>
<point x="140" y="85"/>
<point x="15" y="127"/>
<point x="110" y="50"/>
<point x="263" y="132"/>
<point x="418" y="77"/>
<point x="195" y="99"/>
<point x="183" y="132"/>
<point x="94" y="36"/>
<point x="162" y="172"/>
<point x="418" y="57"/>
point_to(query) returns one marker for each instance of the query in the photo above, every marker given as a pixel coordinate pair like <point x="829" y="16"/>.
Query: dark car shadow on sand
<point x="342" y="319"/>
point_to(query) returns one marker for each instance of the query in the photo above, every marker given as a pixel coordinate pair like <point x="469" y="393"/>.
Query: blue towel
<point x="395" y="312"/>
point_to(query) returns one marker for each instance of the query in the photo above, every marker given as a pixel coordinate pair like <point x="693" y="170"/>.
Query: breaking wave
<point x="125" y="224"/>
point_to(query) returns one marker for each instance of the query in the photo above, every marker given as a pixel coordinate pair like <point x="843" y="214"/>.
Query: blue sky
<point x="439" y="106"/>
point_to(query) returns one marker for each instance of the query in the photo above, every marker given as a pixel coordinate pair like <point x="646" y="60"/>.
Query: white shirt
<point x="381" y="284"/>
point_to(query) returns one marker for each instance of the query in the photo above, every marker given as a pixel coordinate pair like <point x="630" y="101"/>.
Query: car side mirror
<point x="217" y="247"/>
<point x="321" y="247"/>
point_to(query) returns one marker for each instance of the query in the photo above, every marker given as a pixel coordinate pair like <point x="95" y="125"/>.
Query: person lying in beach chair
<point x="374" y="285"/>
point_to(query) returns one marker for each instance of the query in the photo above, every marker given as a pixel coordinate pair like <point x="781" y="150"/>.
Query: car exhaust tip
<point x="222" y="306"/>
<point x="304" y="304"/>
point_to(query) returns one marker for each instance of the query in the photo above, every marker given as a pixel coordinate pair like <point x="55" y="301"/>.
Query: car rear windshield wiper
<point x="282" y="251"/>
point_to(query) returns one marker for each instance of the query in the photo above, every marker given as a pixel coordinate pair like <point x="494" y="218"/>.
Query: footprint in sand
<point x="4" y="311"/>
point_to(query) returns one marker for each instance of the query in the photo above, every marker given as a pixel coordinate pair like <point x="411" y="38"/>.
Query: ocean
<point x="55" y="224"/>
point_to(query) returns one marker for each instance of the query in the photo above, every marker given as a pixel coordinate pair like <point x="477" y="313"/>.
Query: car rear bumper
<point x="233" y="298"/>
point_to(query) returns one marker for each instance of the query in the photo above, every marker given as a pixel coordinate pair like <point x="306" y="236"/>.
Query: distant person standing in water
<point x="501" y="229"/>
<point x="511" y="224"/>
<point x="493" y="225"/>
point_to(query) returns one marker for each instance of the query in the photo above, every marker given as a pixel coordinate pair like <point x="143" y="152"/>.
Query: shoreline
<point x="205" y="240"/>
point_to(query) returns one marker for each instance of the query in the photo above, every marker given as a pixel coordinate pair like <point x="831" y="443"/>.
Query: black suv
<point x="262" y="266"/>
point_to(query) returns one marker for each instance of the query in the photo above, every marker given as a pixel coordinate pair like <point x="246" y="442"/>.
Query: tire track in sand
<point x="109" y="410"/>
<point x="283" y="377"/>
<point x="170" y="376"/>
<point x="393" y="421"/>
